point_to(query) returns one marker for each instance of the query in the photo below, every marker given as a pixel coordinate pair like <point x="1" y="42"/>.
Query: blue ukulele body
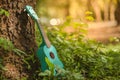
<point x="49" y="53"/>
<point x="46" y="53"/>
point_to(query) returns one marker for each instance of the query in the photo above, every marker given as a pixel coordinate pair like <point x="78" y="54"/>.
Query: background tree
<point x="117" y="12"/>
<point x="113" y="5"/>
<point x="103" y="10"/>
<point x="19" y="29"/>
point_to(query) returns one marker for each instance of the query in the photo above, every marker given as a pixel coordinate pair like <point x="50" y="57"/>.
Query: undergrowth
<point x="83" y="59"/>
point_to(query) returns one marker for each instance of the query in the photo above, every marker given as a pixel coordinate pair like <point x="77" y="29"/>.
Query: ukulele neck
<point x="43" y="34"/>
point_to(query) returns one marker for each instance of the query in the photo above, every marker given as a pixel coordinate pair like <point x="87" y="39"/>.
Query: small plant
<point x="6" y="44"/>
<point x="89" y="16"/>
<point x="4" y="12"/>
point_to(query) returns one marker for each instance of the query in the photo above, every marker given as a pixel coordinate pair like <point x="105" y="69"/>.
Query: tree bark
<point x="112" y="12"/>
<point x="18" y="28"/>
<point x="106" y="11"/>
<point x="96" y="9"/>
<point x="117" y="12"/>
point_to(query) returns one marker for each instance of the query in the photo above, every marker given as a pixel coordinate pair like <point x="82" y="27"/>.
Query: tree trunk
<point x="96" y="9"/>
<point x="18" y="28"/>
<point x="106" y="11"/>
<point x="112" y="12"/>
<point x="73" y="8"/>
<point x="117" y="12"/>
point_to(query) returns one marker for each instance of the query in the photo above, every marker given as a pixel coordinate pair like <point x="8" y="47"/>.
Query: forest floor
<point x="104" y="32"/>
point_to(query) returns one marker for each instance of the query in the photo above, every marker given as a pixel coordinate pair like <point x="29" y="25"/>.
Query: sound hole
<point x="52" y="55"/>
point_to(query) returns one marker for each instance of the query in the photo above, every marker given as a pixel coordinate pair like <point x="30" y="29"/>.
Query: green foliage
<point x="51" y="66"/>
<point x="28" y="59"/>
<point x="89" y="16"/>
<point x="6" y="44"/>
<point x="114" y="39"/>
<point x="4" y="12"/>
<point x="84" y="59"/>
<point x="19" y="52"/>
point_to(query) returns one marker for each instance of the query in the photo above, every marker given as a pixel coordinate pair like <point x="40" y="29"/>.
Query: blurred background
<point x="101" y="16"/>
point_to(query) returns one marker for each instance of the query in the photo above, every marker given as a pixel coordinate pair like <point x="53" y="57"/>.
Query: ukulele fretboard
<point x="44" y="36"/>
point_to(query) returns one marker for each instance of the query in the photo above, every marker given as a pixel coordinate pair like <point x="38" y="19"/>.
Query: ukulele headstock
<point x="31" y="12"/>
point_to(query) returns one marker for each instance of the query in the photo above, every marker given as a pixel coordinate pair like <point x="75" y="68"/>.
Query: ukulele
<point x="46" y="53"/>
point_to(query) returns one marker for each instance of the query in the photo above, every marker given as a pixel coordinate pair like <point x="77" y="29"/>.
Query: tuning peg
<point x="24" y="10"/>
<point x="28" y="15"/>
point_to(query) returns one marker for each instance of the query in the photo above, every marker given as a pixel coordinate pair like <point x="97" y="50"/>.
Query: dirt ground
<point x="104" y="34"/>
<point x="101" y="31"/>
